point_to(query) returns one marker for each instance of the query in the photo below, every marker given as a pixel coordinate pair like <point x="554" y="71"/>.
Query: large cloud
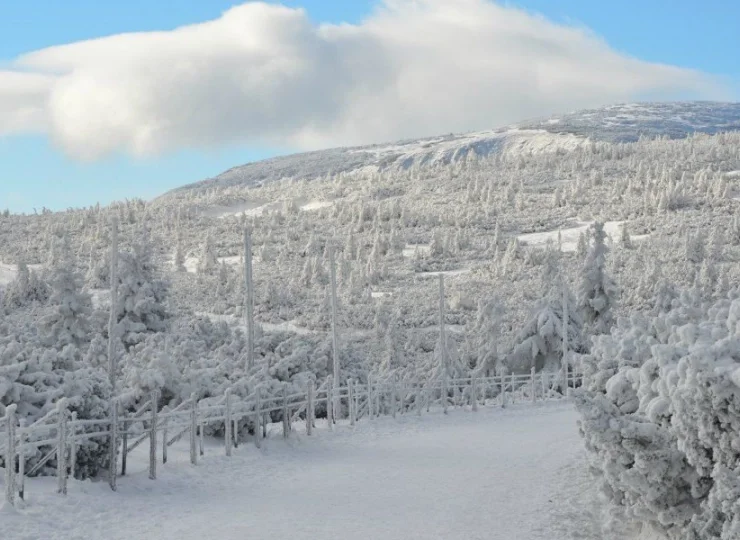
<point x="264" y="74"/>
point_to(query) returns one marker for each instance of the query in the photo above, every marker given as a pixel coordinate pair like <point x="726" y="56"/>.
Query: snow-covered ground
<point x="569" y="236"/>
<point x="258" y="207"/>
<point x="7" y="273"/>
<point x="514" y="474"/>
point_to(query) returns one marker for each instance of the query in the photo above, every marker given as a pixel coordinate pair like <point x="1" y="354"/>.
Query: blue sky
<point x="37" y="173"/>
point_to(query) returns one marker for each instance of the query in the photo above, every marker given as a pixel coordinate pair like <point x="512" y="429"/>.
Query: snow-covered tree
<point x="597" y="292"/>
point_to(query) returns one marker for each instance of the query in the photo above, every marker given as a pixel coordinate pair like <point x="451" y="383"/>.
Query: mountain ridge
<point x="612" y="124"/>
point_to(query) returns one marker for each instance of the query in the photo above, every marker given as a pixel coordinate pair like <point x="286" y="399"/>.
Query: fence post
<point x="10" y="454"/>
<point x="329" y="402"/>
<point x="201" y="429"/>
<point x="503" y="391"/>
<point x="61" y="446"/>
<point x="394" y="406"/>
<point x="258" y="417"/>
<point x="227" y="422"/>
<point x="370" y="396"/>
<point x="22" y="459"/>
<point x="73" y="446"/>
<point x="153" y="438"/>
<point x="351" y="401"/>
<point x="113" y="465"/>
<point x="193" y="429"/>
<point x="165" y="422"/>
<point x="444" y="394"/>
<point x="513" y="388"/>
<point x="474" y="393"/>
<point x="286" y="412"/>
<point x="534" y="388"/>
<point x="419" y="398"/>
<point x="235" y="432"/>
<point x="124" y="446"/>
<point x="309" y="408"/>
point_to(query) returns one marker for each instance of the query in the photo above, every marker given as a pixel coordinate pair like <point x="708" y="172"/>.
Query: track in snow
<point x="514" y="474"/>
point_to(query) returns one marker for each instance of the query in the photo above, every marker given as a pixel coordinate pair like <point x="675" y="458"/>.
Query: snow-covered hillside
<point x="642" y="291"/>
<point x="560" y="133"/>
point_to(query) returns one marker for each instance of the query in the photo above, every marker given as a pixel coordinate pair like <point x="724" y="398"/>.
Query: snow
<point x="570" y="235"/>
<point x="7" y="273"/>
<point x="258" y="207"/>
<point x="496" y="474"/>
<point x="315" y="205"/>
<point x="410" y="249"/>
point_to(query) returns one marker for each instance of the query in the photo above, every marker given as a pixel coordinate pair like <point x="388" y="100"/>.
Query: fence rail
<point x="60" y="432"/>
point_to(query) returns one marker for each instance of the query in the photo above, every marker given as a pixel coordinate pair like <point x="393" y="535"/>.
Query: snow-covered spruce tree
<point x="539" y="343"/>
<point x="68" y="322"/>
<point x="27" y="288"/>
<point x="208" y="262"/>
<point x="597" y="292"/>
<point x="484" y="337"/>
<point x="141" y="295"/>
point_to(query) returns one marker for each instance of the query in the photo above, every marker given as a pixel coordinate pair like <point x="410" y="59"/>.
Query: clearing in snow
<point x="513" y="474"/>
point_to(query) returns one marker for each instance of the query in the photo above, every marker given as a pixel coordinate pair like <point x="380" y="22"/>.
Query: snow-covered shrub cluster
<point x="661" y="416"/>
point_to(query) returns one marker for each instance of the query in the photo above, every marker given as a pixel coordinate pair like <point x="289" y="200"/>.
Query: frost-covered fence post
<point x="61" y="446"/>
<point x="329" y="402"/>
<point x="201" y="435"/>
<point x="258" y="417"/>
<point x="165" y="422"/>
<point x="534" y="388"/>
<point x="444" y="393"/>
<point x="503" y="391"/>
<point x="565" y="338"/>
<point x="286" y="412"/>
<point x="193" y="429"/>
<point x="309" y="408"/>
<point x="113" y="314"/>
<point x="21" y="450"/>
<point x="334" y="336"/>
<point x="124" y="446"/>
<point x="73" y="446"/>
<point x="112" y="367"/>
<point x="10" y="454"/>
<point x="513" y="388"/>
<point x="235" y="432"/>
<point x="419" y="398"/>
<point x="474" y="393"/>
<point x="113" y="463"/>
<point x="227" y="422"/>
<point x="393" y="397"/>
<point x="370" y="405"/>
<point x="351" y="401"/>
<point x="249" y="296"/>
<point x="153" y="438"/>
<point x="443" y="341"/>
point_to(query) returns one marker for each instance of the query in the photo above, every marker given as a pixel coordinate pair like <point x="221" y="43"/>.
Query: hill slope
<point x="618" y="123"/>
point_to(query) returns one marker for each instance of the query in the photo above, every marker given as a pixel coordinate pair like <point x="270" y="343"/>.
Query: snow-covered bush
<point x="661" y="416"/>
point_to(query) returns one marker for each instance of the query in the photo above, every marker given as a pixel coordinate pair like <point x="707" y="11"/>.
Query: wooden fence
<point x="60" y="433"/>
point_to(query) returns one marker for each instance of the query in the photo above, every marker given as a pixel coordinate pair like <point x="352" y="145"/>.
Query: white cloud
<point x="265" y="74"/>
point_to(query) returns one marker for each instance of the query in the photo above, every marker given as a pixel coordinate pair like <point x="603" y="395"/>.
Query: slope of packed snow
<point x="495" y="475"/>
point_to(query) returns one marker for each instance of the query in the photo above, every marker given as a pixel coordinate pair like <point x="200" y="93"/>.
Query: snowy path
<point x="515" y="474"/>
